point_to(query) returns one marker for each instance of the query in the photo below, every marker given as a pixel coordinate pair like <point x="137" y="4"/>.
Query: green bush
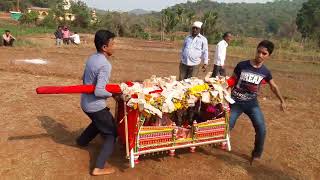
<point x="29" y="18"/>
<point x="49" y="21"/>
<point x="214" y="38"/>
<point x="237" y="42"/>
<point x="82" y="14"/>
<point x="26" y="30"/>
<point x="145" y="35"/>
<point x="137" y="31"/>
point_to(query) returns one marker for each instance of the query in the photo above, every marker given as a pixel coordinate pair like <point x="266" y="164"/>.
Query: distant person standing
<point x="8" y="39"/>
<point x="59" y="36"/>
<point x="194" y="50"/>
<point x="220" y="55"/>
<point x="75" y="38"/>
<point x="66" y="35"/>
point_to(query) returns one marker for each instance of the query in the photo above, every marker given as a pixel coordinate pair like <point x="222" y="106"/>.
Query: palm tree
<point x="180" y="12"/>
<point x="190" y="14"/>
<point x="209" y="21"/>
<point x="169" y="21"/>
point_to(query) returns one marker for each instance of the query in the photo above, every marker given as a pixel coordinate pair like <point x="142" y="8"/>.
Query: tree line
<point x="281" y="18"/>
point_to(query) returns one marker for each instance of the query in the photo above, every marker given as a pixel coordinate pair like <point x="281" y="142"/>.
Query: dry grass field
<point x="37" y="135"/>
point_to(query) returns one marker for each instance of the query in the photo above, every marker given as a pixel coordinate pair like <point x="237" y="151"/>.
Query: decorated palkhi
<point x="160" y="115"/>
<point x="166" y="100"/>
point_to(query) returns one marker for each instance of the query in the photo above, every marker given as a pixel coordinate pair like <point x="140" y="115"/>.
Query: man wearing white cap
<point x="194" y="50"/>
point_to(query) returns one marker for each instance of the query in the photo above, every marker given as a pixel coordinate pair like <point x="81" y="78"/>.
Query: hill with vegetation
<point x="250" y="19"/>
<point x="290" y="19"/>
<point x="139" y="12"/>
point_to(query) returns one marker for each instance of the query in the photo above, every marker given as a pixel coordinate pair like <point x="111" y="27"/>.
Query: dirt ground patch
<point x="38" y="131"/>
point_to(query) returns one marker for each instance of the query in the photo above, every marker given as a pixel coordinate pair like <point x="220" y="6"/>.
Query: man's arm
<point x="231" y="82"/>
<point x="102" y="81"/>
<point x="274" y="88"/>
<point x="222" y="53"/>
<point x="205" y="54"/>
<point x="183" y="47"/>
<point x="12" y="36"/>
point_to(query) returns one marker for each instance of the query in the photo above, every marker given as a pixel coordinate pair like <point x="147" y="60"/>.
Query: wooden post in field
<point x="18" y="5"/>
<point x="161" y="34"/>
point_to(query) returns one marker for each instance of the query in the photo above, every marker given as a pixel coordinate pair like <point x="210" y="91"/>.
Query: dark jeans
<point x="218" y="70"/>
<point x="253" y="110"/>
<point x="102" y="123"/>
<point x="66" y="41"/>
<point x="187" y="71"/>
<point x="10" y="43"/>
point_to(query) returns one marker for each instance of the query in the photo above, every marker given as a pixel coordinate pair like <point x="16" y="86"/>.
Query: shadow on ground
<point x="258" y="170"/>
<point x="60" y="134"/>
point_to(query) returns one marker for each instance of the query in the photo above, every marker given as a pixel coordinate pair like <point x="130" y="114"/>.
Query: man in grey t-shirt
<point x="97" y="72"/>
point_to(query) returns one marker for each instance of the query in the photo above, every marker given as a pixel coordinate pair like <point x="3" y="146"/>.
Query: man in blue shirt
<point x="97" y="72"/>
<point x="194" y="50"/>
<point x="249" y="75"/>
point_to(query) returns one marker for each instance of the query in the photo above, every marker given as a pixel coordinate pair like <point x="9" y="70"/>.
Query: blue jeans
<point x="102" y="123"/>
<point x="252" y="109"/>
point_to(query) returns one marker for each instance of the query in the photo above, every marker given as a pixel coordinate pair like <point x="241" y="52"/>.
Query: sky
<point x="155" y="5"/>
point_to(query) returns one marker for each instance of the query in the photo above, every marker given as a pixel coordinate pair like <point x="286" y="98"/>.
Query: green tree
<point x="40" y="3"/>
<point x="58" y="11"/>
<point x="272" y="26"/>
<point x="308" y="20"/>
<point x="180" y="13"/>
<point x="209" y="22"/>
<point x="169" y="19"/>
<point x="29" y="18"/>
<point x="7" y="5"/>
<point x="116" y="22"/>
<point x="136" y="30"/>
<point x="49" y="20"/>
<point x="190" y="16"/>
<point x="82" y="14"/>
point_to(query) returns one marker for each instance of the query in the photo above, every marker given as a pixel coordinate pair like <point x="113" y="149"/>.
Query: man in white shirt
<point x="75" y="38"/>
<point x="220" y="55"/>
<point x="194" y="50"/>
<point x="8" y="39"/>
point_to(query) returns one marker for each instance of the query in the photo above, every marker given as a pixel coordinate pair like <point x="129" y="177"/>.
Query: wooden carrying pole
<point x="126" y="129"/>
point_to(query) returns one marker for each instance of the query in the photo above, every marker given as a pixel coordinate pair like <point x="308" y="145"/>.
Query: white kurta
<point x="220" y="53"/>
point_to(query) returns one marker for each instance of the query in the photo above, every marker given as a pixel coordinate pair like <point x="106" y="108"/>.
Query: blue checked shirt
<point x="194" y="50"/>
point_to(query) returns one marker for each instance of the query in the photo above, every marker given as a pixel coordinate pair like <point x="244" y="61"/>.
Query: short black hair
<point x="102" y="37"/>
<point x="267" y="44"/>
<point x="7" y="31"/>
<point x="75" y="32"/>
<point x="226" y="34"/>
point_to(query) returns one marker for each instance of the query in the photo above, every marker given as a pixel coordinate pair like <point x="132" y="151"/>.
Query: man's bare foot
<point x="104" y="171"/>
<point x="254" y="158"/>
